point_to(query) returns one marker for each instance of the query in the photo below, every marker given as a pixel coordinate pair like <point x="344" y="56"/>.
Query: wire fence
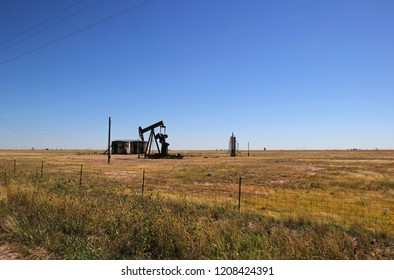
<point x="369" y="209"/>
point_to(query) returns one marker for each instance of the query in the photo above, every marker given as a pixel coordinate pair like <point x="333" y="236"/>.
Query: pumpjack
<point x="153" y="137"/>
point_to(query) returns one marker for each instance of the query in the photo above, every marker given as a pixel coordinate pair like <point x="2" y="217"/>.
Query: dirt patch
<point x="280" y="181"/>
<point x="21" y="252"/>
<point x="15" y="251"/>
<point x="120" y="174"/>
<point x="7" y="253"/>
<point x="309" y="169"/>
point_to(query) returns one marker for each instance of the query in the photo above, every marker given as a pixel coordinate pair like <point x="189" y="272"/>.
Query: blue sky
<point x="279" y="74"/>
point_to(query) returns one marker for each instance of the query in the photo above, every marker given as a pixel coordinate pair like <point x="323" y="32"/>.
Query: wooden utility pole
<point x="248" y="148"/>
<point x="109" y="141"/>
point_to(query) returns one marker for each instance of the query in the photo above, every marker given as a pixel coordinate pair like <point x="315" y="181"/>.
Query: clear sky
<point x="279" y="74"/>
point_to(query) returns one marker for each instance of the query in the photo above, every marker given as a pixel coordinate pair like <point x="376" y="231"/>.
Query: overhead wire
<point x="80" y="30"/>
<point x="41" y="22"/>
<point x="34" y="131"/>
<point x="51" y="25"/>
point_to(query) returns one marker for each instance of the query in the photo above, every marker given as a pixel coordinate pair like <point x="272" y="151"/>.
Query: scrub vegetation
<point x="294" y="205"/>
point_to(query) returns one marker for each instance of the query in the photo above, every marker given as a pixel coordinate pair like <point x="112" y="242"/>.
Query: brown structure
<point x="138" y="147"/>
<point x="124" y="147"/>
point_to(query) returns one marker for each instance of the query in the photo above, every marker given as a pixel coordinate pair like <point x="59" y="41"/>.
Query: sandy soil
<point x="7" y="253"/>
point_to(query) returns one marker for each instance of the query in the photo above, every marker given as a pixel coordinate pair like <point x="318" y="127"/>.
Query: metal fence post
<point x="239" y="195"/>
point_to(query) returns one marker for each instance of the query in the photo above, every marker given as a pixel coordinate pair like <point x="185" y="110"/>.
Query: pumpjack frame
<point x="153" y="137"/>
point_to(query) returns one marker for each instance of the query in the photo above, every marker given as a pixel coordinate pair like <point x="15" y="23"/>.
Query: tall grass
<point x="295" y="205"/>
<point x="101" y="222"/>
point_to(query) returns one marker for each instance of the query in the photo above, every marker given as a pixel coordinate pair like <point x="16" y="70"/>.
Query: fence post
<point x="42" y="169"/>
<point x="143" y="183"/>
<point x="14" y="166"/>
<point x="80" y="177"/>
<point x="239" y="194"/>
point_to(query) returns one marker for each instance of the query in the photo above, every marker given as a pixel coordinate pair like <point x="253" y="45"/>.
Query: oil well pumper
<point x="161" y="136"/>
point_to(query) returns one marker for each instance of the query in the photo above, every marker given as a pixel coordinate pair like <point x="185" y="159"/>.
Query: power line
<point x="34" y="131"/>
<point x="41" y="22"/>
<point x="108" y="18"/>
<point x="51" y="25"/>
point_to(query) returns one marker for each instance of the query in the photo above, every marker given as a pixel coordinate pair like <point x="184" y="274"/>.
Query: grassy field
<point x="294" y="205"/>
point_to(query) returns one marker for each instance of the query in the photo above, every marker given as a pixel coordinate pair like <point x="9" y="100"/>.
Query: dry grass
<point x="295" y="205"/>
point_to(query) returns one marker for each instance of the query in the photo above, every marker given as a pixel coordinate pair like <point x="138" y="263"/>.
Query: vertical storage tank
<point x="138" y="147"/>
<point x="233" y="145"/>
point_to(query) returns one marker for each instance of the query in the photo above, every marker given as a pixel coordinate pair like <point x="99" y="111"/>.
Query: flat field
<point x="268" y="205"/>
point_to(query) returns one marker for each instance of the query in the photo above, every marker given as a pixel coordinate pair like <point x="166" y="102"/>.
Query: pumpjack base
<point x="160" y="156"/>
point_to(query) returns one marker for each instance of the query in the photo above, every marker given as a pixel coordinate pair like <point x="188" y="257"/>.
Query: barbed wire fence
<point x="371" y="210"/>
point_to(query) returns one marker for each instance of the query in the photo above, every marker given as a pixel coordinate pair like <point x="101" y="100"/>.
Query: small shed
<point x="138" y="147"/>
<point x="123" y="147"/>
<point x="120" y="147"/>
